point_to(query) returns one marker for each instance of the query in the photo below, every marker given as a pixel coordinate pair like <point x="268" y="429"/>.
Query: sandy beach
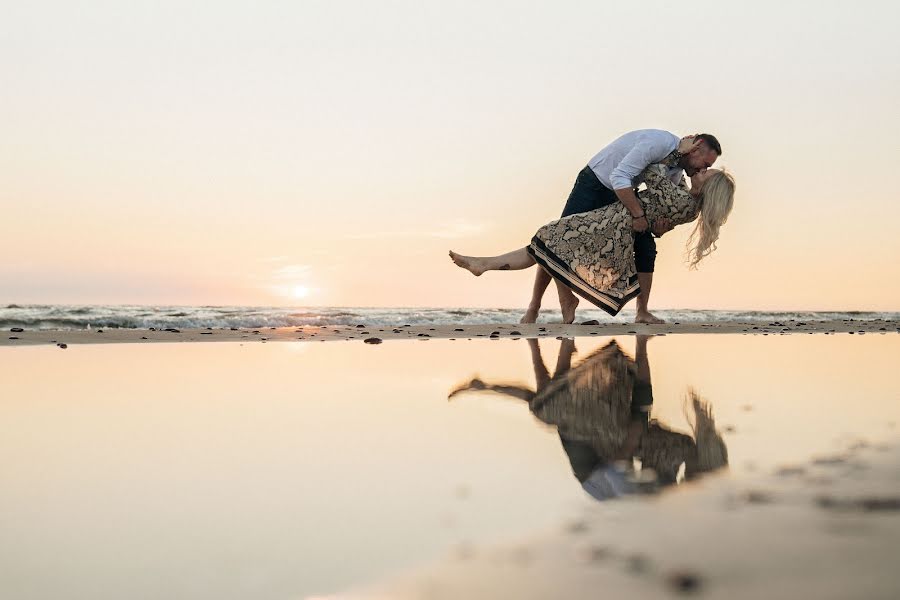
<point x="824" y="529"/>
<point x="360" y="332"/>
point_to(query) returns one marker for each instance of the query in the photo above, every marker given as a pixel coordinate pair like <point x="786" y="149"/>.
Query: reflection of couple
<point x="601" y="409"/>
<point x="602" y="247"/>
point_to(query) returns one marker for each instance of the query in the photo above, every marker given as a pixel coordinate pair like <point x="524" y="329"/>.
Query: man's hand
<point x="688" y="143"/>
<point x="640" y="224"/>
<point x="661" y="226"/>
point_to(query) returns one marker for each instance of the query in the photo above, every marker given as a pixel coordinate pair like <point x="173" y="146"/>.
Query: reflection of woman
<point x="601" y="410"/>
<point x="592" y="253"/>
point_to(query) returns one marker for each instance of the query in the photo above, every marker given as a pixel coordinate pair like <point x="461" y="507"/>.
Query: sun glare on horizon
<point x="300" y="291"/>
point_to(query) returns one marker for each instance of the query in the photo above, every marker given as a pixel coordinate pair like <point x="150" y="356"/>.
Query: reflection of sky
<point x="254" y="468"/>
<point x="337" y="136"/>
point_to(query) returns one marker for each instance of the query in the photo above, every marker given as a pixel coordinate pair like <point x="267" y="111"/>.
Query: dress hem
<point x="560" y="271"/>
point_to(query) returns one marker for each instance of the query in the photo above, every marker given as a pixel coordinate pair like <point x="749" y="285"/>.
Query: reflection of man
<point x="611" y="176"/>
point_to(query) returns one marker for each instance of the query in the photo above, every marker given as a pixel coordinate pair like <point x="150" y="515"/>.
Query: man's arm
<point x="627" y="197"/>
<point x="645" y="152"/>
<point x="638" y="158"/>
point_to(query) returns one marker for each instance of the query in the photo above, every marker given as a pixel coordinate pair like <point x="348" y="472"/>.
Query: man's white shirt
<point x="619" y="164"/>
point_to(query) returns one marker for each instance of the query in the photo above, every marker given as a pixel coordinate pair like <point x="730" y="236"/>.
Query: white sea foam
<point x="72" y="317"/>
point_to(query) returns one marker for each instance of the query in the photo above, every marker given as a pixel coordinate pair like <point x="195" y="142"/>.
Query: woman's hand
<point x="661" y="226"/>
<point x="688" y="143"/>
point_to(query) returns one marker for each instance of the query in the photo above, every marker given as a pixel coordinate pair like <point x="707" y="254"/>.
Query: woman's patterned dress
<point x="593" y="252"/>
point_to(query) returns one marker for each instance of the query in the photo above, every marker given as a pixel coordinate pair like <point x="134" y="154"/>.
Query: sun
<point x="300" y="291"/>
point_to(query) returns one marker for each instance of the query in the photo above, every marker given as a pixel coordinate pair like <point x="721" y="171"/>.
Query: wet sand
<point x="282" y="471"/>
<point x="827" y="528"/>
<point x="376" y="334"/>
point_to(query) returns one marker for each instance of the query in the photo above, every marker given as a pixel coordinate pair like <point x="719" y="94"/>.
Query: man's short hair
<point x="712" y="142"/>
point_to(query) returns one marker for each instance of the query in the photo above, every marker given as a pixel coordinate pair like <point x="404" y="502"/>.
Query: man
<point x="611" y="176"/>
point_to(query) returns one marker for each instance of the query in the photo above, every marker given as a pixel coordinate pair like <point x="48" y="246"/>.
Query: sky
<point x="331" y="153"/>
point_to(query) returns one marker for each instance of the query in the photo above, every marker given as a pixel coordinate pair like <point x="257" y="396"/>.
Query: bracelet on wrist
<point x="640" y="216"/>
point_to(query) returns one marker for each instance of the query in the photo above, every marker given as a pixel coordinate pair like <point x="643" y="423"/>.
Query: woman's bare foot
<point x="470" y="263"/>
<point x="531" y="315"/>
<point x="475" y="384"/>
<point x="568" y="306"/>
<point x="645" y="316"/>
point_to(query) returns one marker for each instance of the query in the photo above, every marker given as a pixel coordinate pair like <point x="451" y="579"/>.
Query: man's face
<point x="702" y="158"/>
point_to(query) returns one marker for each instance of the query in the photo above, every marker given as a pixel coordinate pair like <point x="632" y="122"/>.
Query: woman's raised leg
<point x="511" y="261"/>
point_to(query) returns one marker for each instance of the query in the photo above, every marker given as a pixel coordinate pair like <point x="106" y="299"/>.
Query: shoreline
<point x="378" y="334"/>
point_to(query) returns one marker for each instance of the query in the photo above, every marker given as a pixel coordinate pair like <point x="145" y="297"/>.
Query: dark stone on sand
<point x="515" y="333"/>
<point x="143" y="337"/>
<point x="63" y="346"/>
<point x="16" y="330"/>
<point x="591" y="322"/>
<point x="459" y="329"/>
<point x="424" y="335"/>
<point x="880" y="504"/>
<point x="372" y="340"/>
<point x="233" y="328"/>
<point x="153" y="329"/>
<point x="12" y="337"/>
<point x="172" y="329"/>
<point x="684" y="582"/>
<point x="757" y="497"/>
<point x="360" y="326"/>
<point x="206" y="333"/>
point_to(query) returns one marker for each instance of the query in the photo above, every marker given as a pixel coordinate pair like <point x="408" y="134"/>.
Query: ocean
<point x="73" y="317"/>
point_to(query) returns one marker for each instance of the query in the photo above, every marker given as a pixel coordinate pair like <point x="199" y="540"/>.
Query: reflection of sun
<point x="301" y="291"/>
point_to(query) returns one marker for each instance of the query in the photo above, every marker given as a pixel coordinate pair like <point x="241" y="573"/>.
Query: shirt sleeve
<point x="647" y="151"/>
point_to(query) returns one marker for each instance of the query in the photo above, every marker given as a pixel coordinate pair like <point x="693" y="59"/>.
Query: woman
<point x="592" y="253"/>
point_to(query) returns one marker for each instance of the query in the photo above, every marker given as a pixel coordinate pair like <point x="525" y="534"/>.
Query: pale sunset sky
<point x="330" y="153"/>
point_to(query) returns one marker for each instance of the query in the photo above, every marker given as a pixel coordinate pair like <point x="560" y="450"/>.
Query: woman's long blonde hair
<point x="718" y="200"/>
<point x="712" y="453"/>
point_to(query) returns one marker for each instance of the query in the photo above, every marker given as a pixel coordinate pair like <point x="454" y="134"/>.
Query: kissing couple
<point x="603" y="247"/>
